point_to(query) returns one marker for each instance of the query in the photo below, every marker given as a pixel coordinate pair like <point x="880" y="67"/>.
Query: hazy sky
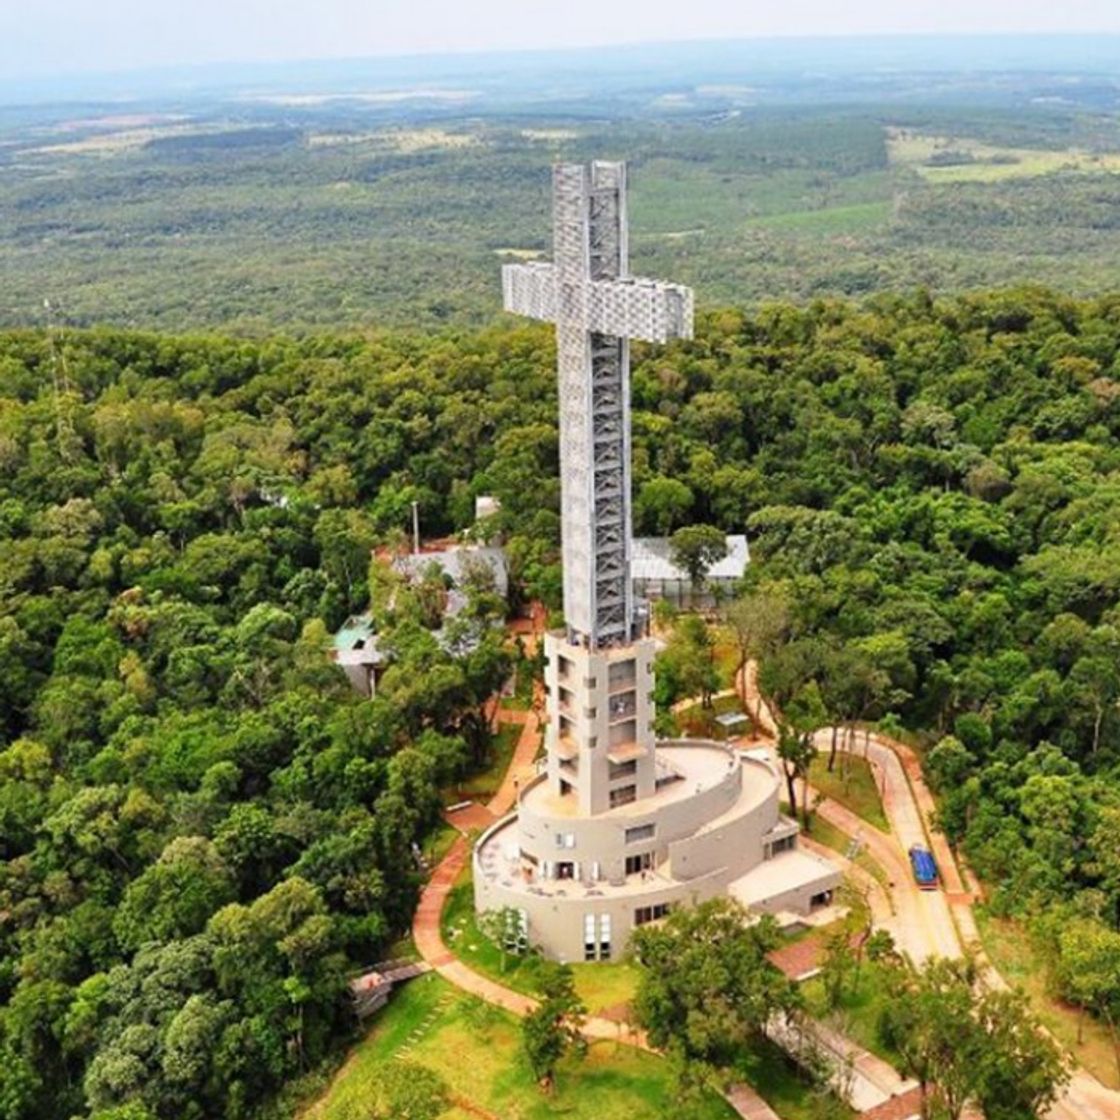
<point x="42" y="37"/>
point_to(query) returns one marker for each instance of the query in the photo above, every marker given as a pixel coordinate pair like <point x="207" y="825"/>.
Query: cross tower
<point x="597" y="307"/>
<point x="599" y="677"/>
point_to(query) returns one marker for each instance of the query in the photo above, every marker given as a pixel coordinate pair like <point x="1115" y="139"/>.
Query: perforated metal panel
<point x="596" y="306"/>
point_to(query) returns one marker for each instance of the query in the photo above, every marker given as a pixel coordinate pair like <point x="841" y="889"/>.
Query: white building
<point x="355" y="646"/>
<point x="655" y="576"/>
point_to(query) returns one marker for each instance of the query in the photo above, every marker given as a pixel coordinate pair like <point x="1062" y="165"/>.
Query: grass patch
<point x="826" y="833"/>
<point x="769" y="1070"/>
<point x="483" y="785"/>
<point x="700" y="722"/>
<point x="861" y="1008"/>
<point x="1010" y="949"/>
<point x="858" y="218"/>
<point x="961" y="159"/>
<point x="438" y="842"/>
<point x="601" y="986"/>
<point x="851" y="784"/>
<point x="477" y="1050"/>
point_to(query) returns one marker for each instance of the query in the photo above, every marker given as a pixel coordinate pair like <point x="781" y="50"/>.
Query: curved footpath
<point x="926" y="923"/>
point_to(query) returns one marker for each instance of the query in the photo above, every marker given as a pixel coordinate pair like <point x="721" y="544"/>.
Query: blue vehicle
<point x="925" y="868"/>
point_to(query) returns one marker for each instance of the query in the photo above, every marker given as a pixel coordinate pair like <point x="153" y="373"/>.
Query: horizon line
<point x="200" y="67"/>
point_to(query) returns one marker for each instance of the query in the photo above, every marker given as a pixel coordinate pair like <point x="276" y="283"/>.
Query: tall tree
<point x="706" y="985"/>
<point x="553" y="1029"/>
<point x="695" y="548"/>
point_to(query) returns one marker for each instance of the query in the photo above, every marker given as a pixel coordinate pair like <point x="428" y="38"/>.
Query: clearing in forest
<point x="960" y="159"/>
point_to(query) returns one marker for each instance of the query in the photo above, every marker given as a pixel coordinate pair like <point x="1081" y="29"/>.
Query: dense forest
<point x="202" y="831"/>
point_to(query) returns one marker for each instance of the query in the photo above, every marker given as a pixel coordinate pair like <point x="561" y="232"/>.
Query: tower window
<point x="623" y="795"/>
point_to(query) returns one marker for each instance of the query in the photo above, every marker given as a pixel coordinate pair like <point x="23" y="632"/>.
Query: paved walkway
<point x="522" y="766"/>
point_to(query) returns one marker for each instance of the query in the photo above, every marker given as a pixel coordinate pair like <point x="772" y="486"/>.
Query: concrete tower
<point x="600" y="671"/>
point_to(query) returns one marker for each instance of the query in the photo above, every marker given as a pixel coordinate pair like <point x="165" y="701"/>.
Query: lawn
<point x="1010" y="950"/>
<point x="484" y="784"/>
<point x="476" y="1049"/>
<point x="601" y="986"/>
<point x="699" y="722"/>
<point x="604" y="986"/>
<point x="826" y="833"/>
<point x="851" y="784"/>
<point x="859" y="1012"/>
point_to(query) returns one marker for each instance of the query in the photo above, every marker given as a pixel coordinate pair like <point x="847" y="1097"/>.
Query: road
<point x="925" y="923"/>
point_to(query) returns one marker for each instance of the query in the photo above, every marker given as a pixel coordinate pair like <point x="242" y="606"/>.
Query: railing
<point x="623" y="708"/>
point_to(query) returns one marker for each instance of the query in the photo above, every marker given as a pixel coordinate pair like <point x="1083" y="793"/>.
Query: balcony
<point x="566" y="748"/>
<point x="625" y="752"/>
<point x="622" y="682"/>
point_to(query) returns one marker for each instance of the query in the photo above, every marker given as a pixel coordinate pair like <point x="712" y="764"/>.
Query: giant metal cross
<point x="597" y="307"/>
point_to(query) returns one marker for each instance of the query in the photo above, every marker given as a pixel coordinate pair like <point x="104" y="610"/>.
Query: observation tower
<point x="618" y="828"/>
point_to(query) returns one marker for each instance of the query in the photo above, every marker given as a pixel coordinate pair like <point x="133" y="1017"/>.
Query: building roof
<point x="729" y="720"/>
<point x="355" y="643"/>
<point x="650" y="559"/>
<point x="456" y="562"/>
<point x="786" y="872"/>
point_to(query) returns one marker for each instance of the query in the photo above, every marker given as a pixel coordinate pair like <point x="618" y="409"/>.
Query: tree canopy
<point x="202" y="828"/>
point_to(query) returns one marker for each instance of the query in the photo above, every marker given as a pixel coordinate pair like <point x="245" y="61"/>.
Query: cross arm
<point x="645" y="309"/>
<point x="629" y="308"/>
<point x="530" y="289"/>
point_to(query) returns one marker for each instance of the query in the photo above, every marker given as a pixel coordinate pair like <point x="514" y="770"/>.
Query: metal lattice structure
<point x="597" y="307"/>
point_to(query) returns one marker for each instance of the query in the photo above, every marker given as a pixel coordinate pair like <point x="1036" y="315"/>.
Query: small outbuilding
<point x="655" y="575"/>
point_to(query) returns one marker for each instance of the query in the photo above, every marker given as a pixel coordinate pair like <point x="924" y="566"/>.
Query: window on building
<point x="596" y="937"/>
<point x="623" y="795"/>
<point x="565" y="869"/>
<point x="642" y="862"/>
<point x="565" y="839"/>
<point x="640" y="832"/>
<point x="622" y="769"/>
<point x="646" y="914"/>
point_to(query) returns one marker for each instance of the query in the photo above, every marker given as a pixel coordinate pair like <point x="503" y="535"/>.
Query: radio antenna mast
<point x="60" y="377"/>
